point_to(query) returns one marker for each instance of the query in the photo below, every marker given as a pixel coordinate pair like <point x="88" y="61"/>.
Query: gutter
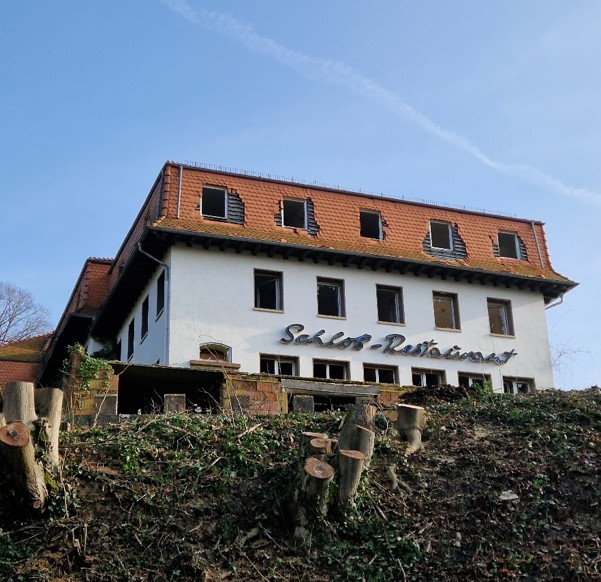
<point x="167" y="299"/>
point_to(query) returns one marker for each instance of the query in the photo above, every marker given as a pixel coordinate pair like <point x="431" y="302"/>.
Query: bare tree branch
<point x="20" y="316"/>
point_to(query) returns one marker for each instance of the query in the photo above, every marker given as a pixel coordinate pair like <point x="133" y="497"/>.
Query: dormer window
<point x="440" y="235"/>
<point x="214" y="202"/>
<point x="294" y="213"/>
<point x="509" y="246"/>
<point x="371" y="224"/>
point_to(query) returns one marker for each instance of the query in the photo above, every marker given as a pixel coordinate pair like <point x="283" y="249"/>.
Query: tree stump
<point x="19" y="403"/>
<point x="365" y="442"/>
<point x="49" y="403"/>
<point x="410" y="423"/>
<point x="17" y="449"/>
<point x="351" y="466"/>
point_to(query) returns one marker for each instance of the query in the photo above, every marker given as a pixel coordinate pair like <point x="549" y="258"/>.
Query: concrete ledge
<point x="314" y="386"/>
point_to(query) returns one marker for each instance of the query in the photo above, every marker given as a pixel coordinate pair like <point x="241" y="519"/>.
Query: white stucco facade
<point x="209" y="298"/>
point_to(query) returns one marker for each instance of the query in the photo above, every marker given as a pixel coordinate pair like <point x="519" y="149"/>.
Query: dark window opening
<point x="390" y="304"/>
<point x="440" y="235"/>
<point x="160" y="293"/>
<point x="294" y="213"/>
<point x="214" y="202"/>
<point x="144" y="326"/>
<point x="130" y="338"/>
<point x="518" y="385"/>
<point x="268" y="290"/>
<point x="330" y="370"/>
<point x="371" y="224"/>
<point x="118" y="350"/>
<point x="508" y="245"/>
<point x="380" y="374"/>
<point x="282" y="366"/>
<point x="426" y="377"/>
<point x="446" y="311"/>
<point x="330" y="297"/>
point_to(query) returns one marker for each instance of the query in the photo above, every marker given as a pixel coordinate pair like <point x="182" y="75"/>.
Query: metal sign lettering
<point x="393" y="343"/>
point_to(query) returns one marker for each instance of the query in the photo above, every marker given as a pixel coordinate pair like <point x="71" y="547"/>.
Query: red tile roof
<point x="337" y="214"/>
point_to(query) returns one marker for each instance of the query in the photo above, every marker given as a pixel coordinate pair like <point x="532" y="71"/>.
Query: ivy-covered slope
<point x="506" y="488"/>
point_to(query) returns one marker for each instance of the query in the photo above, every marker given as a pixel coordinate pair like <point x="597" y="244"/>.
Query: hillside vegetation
<point x="507" y="488"/>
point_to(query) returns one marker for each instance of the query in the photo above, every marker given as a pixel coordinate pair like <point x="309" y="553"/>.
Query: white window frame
<point x="454" y="303"/>
<point x="328" y="363"/>
<point x="278" y="361"/>
<point x="513" y="385"/>
<point x="305" y="217"/>
<point x="506" y="316"/>
<point x="372" y="213"/>
<point x="225" y="203"/>
<point x="473" y="378"/>
<point x="516" y="243"/>
<point x="450" y="232"/>
<point x="279" y="279"/>
<point x="339" y="284"/>
<point x="400" y="311"/>
<point x="381" y="367"/>
<point x="424" y="372"/>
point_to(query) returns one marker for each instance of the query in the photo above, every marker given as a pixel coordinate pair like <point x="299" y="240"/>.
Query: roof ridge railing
<point x="301" y="182"/>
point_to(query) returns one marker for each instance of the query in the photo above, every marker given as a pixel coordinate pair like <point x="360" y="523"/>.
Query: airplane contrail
<point x="335" y="72"/>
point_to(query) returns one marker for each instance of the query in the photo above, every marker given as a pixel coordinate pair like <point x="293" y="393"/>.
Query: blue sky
<point x="490" y="105"/>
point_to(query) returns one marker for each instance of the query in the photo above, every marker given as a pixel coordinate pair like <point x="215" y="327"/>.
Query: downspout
<point x="540" y="257"/>
<point x="556" y="303"/>
<point x="167" y="298"/>
<point x="179" y="190"/>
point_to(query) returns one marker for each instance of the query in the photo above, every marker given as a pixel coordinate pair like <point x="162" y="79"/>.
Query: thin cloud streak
<point x="333" y="72"/>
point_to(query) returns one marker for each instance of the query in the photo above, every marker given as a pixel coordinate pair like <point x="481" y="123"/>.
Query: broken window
<point x="160" y="294"/>
<point x="390" y="304"/>
<point x="331" y="370"/>
<point x="130" y="338"/>
<point x="440" y="235"/>
<point x="446" y="310"/>
<point x="422" y="377"/>
<point x="509" y="246"/>
<point x="214" y="202"/>
<point x="280" y="365"/>
<point x="144" y="327"/>
<point x="518" y="385"/>
<point x="294" y="213"/>
<point x="330" y="297"/>
<point x="499" y="316"/>
<point x="380" y="374"/>
<point x="268" y="290"/>
<point x="371" y="224"/>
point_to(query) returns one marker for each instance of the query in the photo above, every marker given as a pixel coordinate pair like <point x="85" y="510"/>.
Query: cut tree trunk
<point x="351" y="466"/>
<point x="19" y="403"/>
<point x="363" y="414"/>
<point x="365" y="442"/>
<point x="49" y="404"/>
<point x="17" y="449"/>
<point x="410" y="423"/>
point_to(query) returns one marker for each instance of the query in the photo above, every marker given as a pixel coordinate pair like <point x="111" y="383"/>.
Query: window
<point x="440" y="235"/>
<point x="421" y="377"/>
<point x="380" y="374"/>
<point x="130" y="338"/>
<point x="160" y="294"/>
<point x="509" y="246"/>
<point x="499" y="316"/>
<point x="446" y="310"/>
<point x="390" y="304"/>
<point x="281" y="365"/>
<point x="331" y="370"/>
<point x="215" y="352"/>
<point x="294" y="213"/>
<point x="118" y="350"/>
<point x="469" y="380"/>
<point x="214" y="202"/>
<point x="371" y="224"/>
<point x="144" y="328"/>
<point x="268" y="290"/>
<point x="330" y="297"/>
<point x="518" y="385"/>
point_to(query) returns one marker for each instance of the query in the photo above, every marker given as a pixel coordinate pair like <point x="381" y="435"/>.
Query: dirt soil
<point x="506" y="488"/>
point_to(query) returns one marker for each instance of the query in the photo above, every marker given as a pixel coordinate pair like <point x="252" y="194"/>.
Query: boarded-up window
<point x="446" y="310"/>
<point x="500" y="317"/>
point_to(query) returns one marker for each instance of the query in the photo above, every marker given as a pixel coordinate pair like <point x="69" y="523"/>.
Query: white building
<point x="265" y="275"/>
